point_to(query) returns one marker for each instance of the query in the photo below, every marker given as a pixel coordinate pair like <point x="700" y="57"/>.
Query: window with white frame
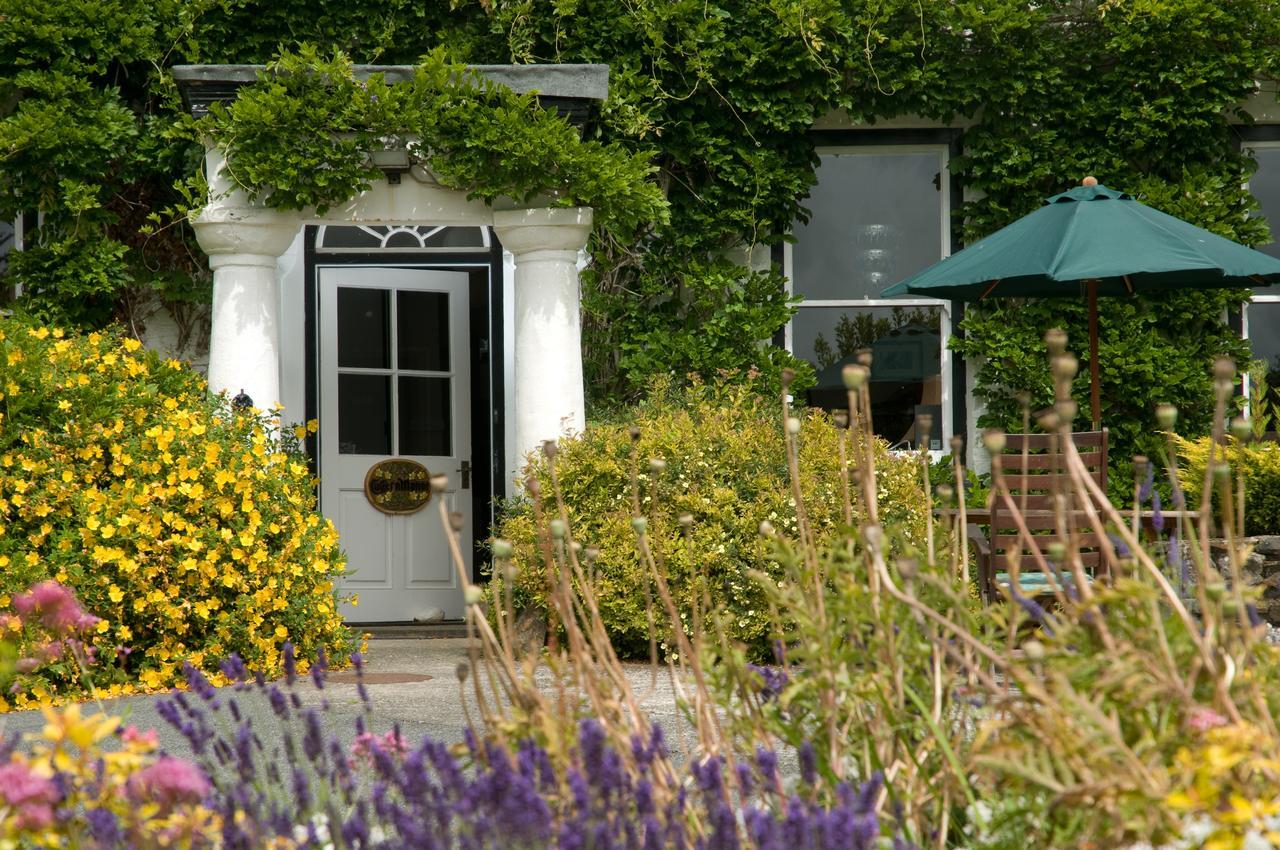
<point x="1262" y="316"/>
<point x="878" y="215"/>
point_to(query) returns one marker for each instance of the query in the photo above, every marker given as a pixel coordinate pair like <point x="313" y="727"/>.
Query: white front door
<point x="395" y="383"/>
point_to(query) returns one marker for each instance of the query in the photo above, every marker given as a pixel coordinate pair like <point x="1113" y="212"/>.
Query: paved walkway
<point x="431" y="707"/>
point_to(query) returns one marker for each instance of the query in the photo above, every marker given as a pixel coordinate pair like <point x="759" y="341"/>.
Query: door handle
<point x="466" y="474"/>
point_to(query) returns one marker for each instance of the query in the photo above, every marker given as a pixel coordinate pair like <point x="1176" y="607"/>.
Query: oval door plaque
<point x="398" y="486"/>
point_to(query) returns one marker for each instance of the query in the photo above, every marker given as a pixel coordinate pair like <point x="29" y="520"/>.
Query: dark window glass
<point x="364" y="328"/>
<point x="350" y="237"/>
<point x="906" y="369"/>
<point x="1265" y="186"/>
<point x="425" y="416"/>
<point x="455" y="237"/>
<point x="364" y="414"/>
<point x="876" y="219"/>
<point x="422" y="320"/>
<point x="403" y="239"/>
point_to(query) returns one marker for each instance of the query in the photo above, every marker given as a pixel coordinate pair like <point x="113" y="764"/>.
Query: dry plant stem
<point x="793" y="468"/>
<point x="1145" y="560"/>
<point x="846" y="502"/>
<point x="928" y="514"/>
<point x="962" y="529"/>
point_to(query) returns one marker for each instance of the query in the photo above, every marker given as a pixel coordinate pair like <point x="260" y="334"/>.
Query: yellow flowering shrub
<point x="1258" y="463"/>
<point x="189" y="528"/>
<point x="725" y="465"/>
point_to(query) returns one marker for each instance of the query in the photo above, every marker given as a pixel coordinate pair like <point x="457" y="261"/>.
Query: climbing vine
<point x="304" y="135"/>
<point x="711" y="105"/>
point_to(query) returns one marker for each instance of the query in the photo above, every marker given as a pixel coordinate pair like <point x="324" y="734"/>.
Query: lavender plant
<point x="312" y="791"/>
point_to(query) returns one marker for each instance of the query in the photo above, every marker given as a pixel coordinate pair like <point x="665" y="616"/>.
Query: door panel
<point x="394" y="383"/>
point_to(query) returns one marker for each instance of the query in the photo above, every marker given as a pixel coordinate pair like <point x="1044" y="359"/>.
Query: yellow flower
<point x="69" y="725"/>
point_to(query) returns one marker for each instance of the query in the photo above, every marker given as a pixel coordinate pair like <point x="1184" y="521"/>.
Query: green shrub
<point x="726" y="467"/>
<point x="189" y="528"/>
<point x="1260" y="465"/>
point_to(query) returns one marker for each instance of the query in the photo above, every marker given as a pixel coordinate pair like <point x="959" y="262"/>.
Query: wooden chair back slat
<point x="1034" y="469"/>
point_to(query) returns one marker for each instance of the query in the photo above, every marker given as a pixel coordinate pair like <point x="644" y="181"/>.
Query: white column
<point x="243" y="241"/>
<point x="549" y="397"/>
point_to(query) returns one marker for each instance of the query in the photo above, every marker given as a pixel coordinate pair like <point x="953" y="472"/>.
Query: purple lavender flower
<point x="808" y="764"/>
<point x="290" y="664"/>
<point x="1157" y="516"/>
<point x="772" y="680"/>
<point x="104" y="828"/>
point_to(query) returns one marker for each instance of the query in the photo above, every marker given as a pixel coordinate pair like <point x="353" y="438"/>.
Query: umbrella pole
<point x="1095" y="402"/>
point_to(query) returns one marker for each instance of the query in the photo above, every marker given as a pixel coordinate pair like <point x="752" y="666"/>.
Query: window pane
<point x="1265" y="186"/>
<point x="364" y="414"/>
<point x="363" y="321"/>
<point x="876" y="219"/>
<point x="906" y="369"/>
<point x="425" y="417"/>
<point x="422" y="325"/>
<point x="337" y="236"/>
<point x="455" y="237"/>
<point x="6" y="244"/>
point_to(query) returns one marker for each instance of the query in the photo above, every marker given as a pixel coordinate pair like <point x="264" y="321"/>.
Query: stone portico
<point x="262" y="325"/>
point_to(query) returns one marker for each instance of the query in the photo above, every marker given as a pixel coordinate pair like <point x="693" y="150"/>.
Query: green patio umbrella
<point x="1092" y="241"/>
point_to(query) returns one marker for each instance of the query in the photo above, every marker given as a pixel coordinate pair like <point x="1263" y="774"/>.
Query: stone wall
<point x="1261" y="569"/>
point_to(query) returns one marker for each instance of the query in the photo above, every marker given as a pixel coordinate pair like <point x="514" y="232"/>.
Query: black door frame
<point x="488" y="390"/>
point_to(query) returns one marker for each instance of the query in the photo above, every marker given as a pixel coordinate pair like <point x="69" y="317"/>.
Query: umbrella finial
<point x="1089" y="181"/>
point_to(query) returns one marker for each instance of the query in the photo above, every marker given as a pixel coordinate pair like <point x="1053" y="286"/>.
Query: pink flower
<point x="30" y="795"/>
<point x="169" y="782"/>
<point x="1203" y="719"/>
<point x="149" y="738"/>
<point x="57" y="606"/>
<point x="390" y="742"/>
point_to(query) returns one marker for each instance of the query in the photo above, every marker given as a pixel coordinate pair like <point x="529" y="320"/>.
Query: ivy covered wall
<point x="719" y="97"/>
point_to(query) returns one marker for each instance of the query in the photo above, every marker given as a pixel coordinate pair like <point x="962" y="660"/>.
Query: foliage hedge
<point x="188" y="527"/>
<point x="1259" y="463"/>
<point x="726" y="467"/>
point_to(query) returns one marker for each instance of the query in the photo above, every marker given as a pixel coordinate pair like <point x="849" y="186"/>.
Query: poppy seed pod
<point x="1066" y="409"/>
<point x="793" y="425"/>
<point x="1140" y="466"/>
<point x="657" y="465"/>
<point x="864" y="357"/>
<point x="841" y="419"/>
<point x="1048" y="419"/>
<point x="634" y="431"/>
<point x="532" y="486"/>
<point x="1242" y="428"/>
<point x="1056" y="550"/>
<point x="994" y="439"/>
<point x="766" y="528"/>
<point x="439" y="483"/>
<point x="550" y="449"/>
<point x="854" y="376"/>
<point x="686" y="520"/>
<point x="557" y="529"/>
<point x="473" y="595"/>
<point x="957" y="444"/>
<point x="1056" y="340"/>
<point x="591" y="553"/>
<point x="1224" y="368"/>
<point x="1064" y="366"/>
<point x="944" y="492"/>
<point x="462" y="670"/>
<point x="639" y="525"/>
<point x="924" y="425"/>
<point x="1166" y="416"/>
<point x="1221" y="471"/>
<point x="575" y="547"/>
<point x="456" y="520"/>
<point x="788" y="375"/>
<point x="502" y="548"/>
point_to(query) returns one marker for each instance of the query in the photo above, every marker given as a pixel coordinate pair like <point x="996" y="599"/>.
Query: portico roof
<point x="569" y="89"/>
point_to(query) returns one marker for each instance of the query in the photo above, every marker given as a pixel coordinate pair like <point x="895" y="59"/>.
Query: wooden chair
<point x="1035" y="473"/>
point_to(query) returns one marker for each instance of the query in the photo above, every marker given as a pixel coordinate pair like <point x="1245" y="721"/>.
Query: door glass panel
<point x="906" y="368"/>
<point x="422" y="324"/>
<point x="364" y="323"/>
<point x="425" y="416"/>
<point x="875" y="219"/>
<point x="364" y="414"/>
